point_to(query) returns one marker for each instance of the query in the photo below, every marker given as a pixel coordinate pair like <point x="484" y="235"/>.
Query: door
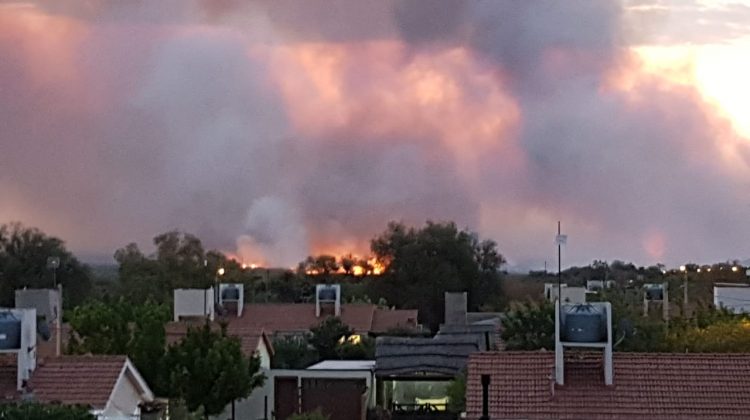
<point x="286" y="398"/>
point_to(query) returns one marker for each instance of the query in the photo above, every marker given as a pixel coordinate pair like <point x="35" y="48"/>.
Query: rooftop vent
<point x="584" y="324"/>
<point x="327" y="296"/>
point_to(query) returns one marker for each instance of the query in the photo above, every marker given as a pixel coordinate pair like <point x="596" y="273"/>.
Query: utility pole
<point x="683" y="268"/>
<point x="559" y="264"/>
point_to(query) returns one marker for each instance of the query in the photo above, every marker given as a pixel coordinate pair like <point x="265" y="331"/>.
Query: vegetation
<point x="530" y="326"/>
<point x="313" y="415"/>
<point x="208" y="370"/>
<point x="457" y="394"/>
<point x="23" y="263"/>
<point x="120" y="328"/>
<point x="35" y="411"/>
<point x="422" y="264"/>
<point x="330" y="340"/>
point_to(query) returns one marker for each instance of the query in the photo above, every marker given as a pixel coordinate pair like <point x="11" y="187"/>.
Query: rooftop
<point x="440" y="356"/>
<point x="646" y="385"/>
<point x="85" y="380"/>
<point x="344" y="365"/>
<point x="300" y="317"/>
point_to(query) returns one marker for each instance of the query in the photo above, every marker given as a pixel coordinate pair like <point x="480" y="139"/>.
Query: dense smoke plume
<point x="277" y="129"/>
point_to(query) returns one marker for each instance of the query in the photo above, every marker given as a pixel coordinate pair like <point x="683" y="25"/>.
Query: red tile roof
<point x="386" y="319"/>
<point x="8" y="377"/>
<point x="300" y="317"/>
<point x="646" y="385"/>
<point x="249" y="337"/>
<point x="85" y="380"/>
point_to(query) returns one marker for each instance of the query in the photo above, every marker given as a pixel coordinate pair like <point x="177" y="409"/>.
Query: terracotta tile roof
<point x="300" y="317"/>
<point x="646" y="385"/>
<point x="8" y="377"/>
<point x="85" y="380"/>
<point x="249" y="337"/>
<point x="386" y="319"/>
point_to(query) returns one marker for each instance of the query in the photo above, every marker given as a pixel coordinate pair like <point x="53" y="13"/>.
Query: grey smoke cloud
<point x="164" y="115"/>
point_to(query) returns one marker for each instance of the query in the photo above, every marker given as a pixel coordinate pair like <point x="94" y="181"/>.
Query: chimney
<point x="485" y="397"/>
<point x="586" y="326"/>
<point x="455" y="308"/>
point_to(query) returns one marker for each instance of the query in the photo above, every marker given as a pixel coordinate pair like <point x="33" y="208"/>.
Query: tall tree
<point x="121" y="328"/>
<point x="421" y="264"/>
<point x="23" y="263"/>
<point x="208" y="370"/>
<point x="179" y="262"/>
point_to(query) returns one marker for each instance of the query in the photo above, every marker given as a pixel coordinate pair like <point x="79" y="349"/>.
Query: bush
<point x="26" y="411"/>
<point x="313" y="415"/>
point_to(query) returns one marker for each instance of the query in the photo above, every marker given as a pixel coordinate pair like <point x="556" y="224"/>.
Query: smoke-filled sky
<point x="276" y="129"/>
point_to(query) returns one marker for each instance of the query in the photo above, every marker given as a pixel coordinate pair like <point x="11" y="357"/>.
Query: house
<point x="253" y="342"/>
<point x="413" y="373"/>
<point x="732" y="296"/>
<point x="645" y="385"/>
<point x="570" y="294"/>
<point x="110" y="386"/>
<point x="292" y="318"/>
<point x="341" y="389"/>
<point x="584" y="379"/>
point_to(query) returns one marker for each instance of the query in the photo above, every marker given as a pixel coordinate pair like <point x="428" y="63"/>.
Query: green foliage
<point x="457" y="394"/>
<point x="530" y="326"/>
<point x="208" y="370"/>
<point x="424" y="263"/>
<point x="23" y="263"/>
<point x="292" y="353"/>
<point x="325" y="337"/>
<point x="723" y="336"/>
<point x="313" y="415"/>
<point x="121" y="328"/>
<point x="35" y="411"/>
<point x="364" y="350"/>
<point x="179" y="262"/>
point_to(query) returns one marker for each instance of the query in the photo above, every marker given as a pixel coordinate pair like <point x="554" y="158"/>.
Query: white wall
<point x="569" y="294"/>
<point x="736" y="299"/>
<point x="124" y="402"/>
<point x="193" y="302"/>
<point x="252" y="408"/>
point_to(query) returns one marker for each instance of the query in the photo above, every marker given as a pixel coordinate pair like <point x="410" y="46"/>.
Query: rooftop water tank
<point x="655" y="292"/>
<point x="584" y="324"/>
<point x="10" y="331"/>
<point x="327" y="293"/>
<point x="230" y="293"/>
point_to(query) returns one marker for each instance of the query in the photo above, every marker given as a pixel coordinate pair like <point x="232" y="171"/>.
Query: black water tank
<point x="327" y="293"/>
<point x="10" y="331"/>
<point x="230" y="293"/>
<point x="655" y="293"/>
<point x="584" y="324"/>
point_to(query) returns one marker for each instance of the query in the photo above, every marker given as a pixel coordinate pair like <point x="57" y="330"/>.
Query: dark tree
<point x="292" y="353"/>
<point x="208" y="370"/>
<point x="121" y="328"/>
<point x="23" y="263"/>
<point x="36" y="411"/>
<point x="422" y="264"/>
<point x="326" y="337"/>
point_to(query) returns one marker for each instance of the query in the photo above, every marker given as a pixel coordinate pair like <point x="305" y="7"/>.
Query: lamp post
<point x="684" y="291"/>
<point x="53" y="263"/>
